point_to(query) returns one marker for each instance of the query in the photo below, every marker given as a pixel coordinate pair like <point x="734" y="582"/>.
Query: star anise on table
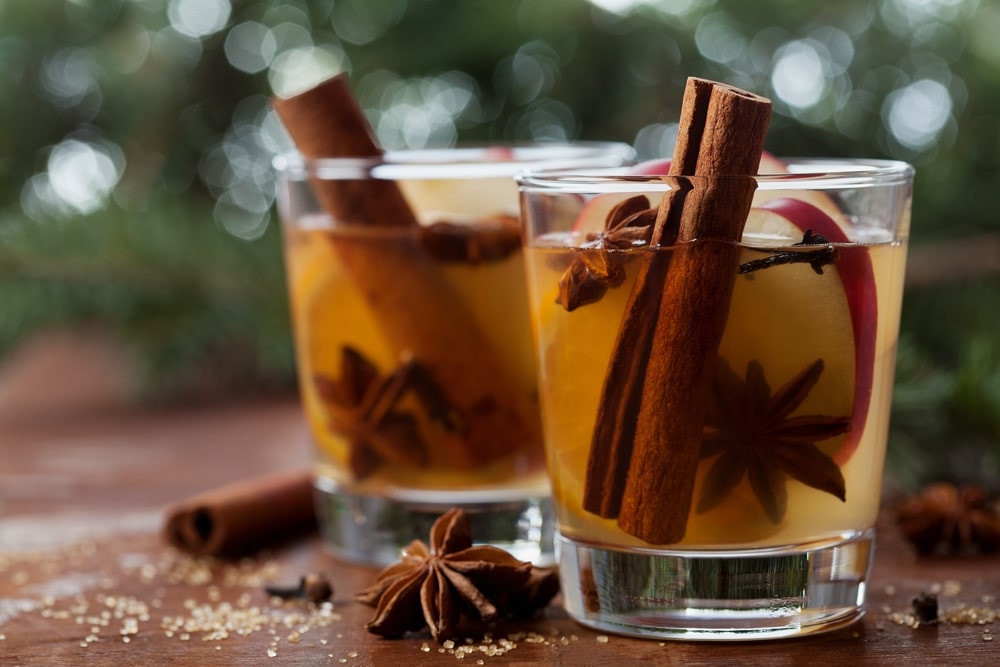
<point x="437" y="585"/>
<point x="751" y="433"/>
<point x="948" y="518"/>
<point x="362" y="407"/>
<point x="593" y="270"/>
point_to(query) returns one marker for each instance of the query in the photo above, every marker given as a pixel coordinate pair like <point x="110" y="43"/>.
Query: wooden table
<point x="86" y="579"/>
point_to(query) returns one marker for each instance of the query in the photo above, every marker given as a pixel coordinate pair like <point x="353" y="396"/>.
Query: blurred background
<point x="137" y="199"/>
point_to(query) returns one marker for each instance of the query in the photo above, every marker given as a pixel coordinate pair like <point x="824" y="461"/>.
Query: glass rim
<point x="461" y="161"/>
<point x="803" y="174"/>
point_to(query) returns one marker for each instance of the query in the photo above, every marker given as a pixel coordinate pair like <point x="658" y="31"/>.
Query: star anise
<point x="437" y="586"/>
<point x="362" y="406"/>
<point x="593" y="269"/>
<point x="752" y="433"/>
<point x="487" y="240"/>
<point x="949" y="518"/>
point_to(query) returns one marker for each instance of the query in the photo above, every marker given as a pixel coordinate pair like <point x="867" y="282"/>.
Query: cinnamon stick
<point x="239" y="518"/>
<point x="326" y="122"/>
<point x="417" y="310"/>
<point x="644" y="453"/>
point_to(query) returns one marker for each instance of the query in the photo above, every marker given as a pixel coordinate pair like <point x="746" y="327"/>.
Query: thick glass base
<point x="374" y="529"/>
<point x="717" y="595"/>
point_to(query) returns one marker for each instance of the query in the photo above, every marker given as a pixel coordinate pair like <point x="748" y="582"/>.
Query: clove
<point x="314" y="587"/>
<point x="925" y="609"/>
<point x="817" y="259"/>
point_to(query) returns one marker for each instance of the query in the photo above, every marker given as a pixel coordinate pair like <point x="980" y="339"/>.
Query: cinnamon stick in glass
<point x="326" y="122"/>
<point x="417" y="311"/>
<point x="642" y="470"/>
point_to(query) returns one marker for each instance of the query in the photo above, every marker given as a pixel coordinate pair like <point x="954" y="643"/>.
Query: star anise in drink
<point x="751" y="433"/>
<point x="489" y="239"/>
<point x="946" y="518"/>
<point x="438" y="585"/>
<point x="363" y="407"/>
<point x="599" y="264"/>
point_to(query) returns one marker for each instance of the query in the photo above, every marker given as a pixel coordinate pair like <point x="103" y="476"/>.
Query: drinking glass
<point x="413" y="343"/>
<point x="715" y="411"/>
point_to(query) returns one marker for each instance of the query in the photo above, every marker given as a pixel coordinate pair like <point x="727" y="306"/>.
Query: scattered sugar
<point x="95" y="603"/>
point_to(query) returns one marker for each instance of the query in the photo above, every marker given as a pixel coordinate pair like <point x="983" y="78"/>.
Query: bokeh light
<point x="719" y="38"/>
<point x="363" y="21"/>
<point x="79" y="178"/>
<point x="917" y="113"/>
<point x="69" y="76"/>
<point x="798" y="77"/>
<point x="655" y="141"/>
<point x="250" y="47"/>
<point x="422" y="111"/>
<point x="198" y="18"/>
<point x="300" y="68"/>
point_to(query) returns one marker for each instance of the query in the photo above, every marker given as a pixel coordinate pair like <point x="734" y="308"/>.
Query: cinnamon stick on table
<point x="644" y="454"/>
<point x="239" y="518"/>
<point x="416" y="309"/>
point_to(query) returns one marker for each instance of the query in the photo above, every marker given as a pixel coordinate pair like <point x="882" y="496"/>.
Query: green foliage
<point x="946" y="418"/>
<point x="176" y="249"/>
<point x="199" y="310"/>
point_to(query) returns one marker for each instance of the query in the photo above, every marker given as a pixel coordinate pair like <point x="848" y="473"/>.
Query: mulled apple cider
<point x="412" y="330"/>
<point x="715" y="410"/>
<point x="795" y="425"/>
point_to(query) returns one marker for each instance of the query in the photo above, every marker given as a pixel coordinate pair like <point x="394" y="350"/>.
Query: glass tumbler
<point x="413" y="343"/>
<point x="715" y="410"/>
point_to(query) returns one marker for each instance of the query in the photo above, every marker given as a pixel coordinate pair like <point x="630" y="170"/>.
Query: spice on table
<point x="437" y="585"/>
<point x="314" y="587"/>
<point x="925" y="609"/>
<point x="240" y="518"/>
<point x="944" y="517"/>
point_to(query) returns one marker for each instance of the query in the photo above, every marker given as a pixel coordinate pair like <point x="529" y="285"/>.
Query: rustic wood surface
<point x="86" y="579"/>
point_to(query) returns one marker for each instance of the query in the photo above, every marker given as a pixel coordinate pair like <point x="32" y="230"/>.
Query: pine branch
<point x="197" y="308"/>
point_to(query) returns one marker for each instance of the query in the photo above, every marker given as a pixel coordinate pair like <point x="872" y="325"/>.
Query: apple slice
<point x="593" y="214"/>
<point x="655" y="167"/>
<point x="772" y="166"/>
<point x="788" y="218"/>
<point x="769" y="164"/>
<point x="460" y="198"/>
<point x="661" y="166"/>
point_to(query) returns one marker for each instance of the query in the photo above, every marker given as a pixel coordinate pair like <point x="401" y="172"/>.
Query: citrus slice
<point x="328" y="314"/>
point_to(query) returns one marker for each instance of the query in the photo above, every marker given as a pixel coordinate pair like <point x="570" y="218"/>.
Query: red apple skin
<point x="587" y="220"/>
<point x="856" y="275"/>
<point x="656" y="167"/>
<point x="661" y="166"/>
<point x="858" y="278"/>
